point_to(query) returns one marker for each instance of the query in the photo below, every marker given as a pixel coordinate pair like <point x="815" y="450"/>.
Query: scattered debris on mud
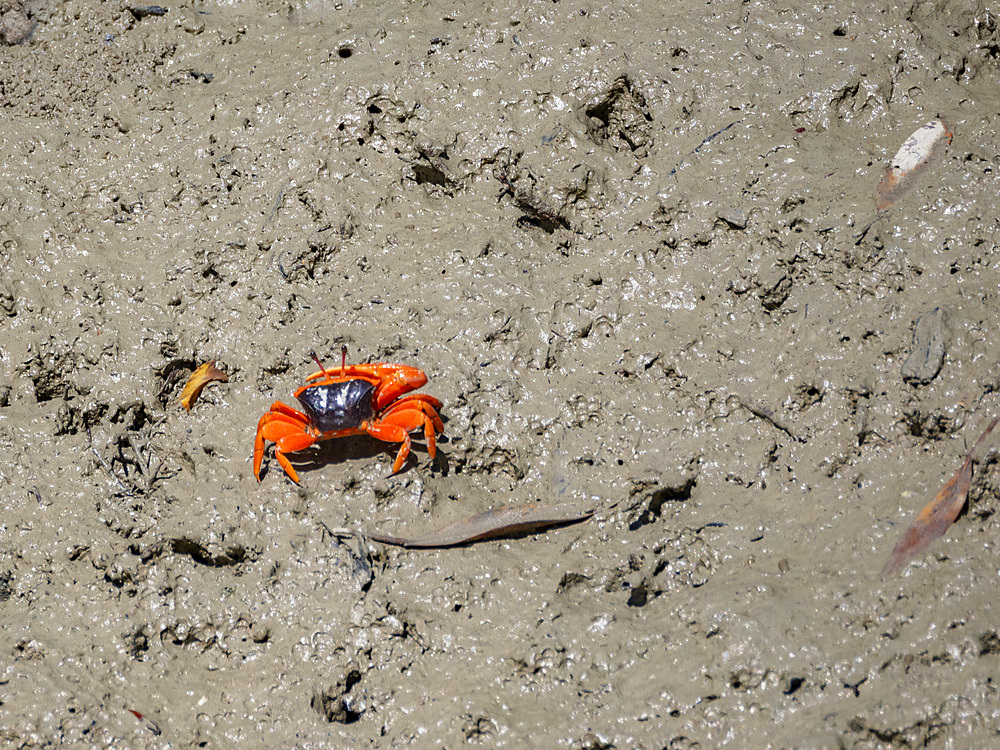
<point x="623" y="242"/>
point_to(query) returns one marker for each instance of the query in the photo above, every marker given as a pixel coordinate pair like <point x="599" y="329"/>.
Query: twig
<point x="340" y="531"/>
<point x="128" y="491"/>
<point x="701" y="145"/>
<point x="770" y="417"/>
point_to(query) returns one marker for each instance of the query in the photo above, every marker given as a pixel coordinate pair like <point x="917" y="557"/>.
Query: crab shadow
<point x="357" y="447"/>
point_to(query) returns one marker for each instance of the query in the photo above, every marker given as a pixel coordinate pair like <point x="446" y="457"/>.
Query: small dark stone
<point x="142" y="11"/>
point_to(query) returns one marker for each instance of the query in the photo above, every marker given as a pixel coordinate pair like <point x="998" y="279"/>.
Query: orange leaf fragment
<point x="201" y="377"/>
<point x="915" y="152"/>
<point x="937" y="515"/>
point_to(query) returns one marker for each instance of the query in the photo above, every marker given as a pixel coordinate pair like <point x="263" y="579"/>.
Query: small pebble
<point x="930" y="342"/>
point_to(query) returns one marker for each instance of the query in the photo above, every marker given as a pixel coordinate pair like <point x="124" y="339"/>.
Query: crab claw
<point x="402" y="379"/>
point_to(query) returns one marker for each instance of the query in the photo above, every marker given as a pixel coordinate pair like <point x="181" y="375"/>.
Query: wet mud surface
<point x="620" y="240"/>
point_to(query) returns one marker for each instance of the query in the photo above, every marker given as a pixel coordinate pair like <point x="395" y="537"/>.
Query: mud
<point x="620" y="241"/>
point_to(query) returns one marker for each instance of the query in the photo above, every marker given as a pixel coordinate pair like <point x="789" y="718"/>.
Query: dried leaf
<point x="201" y="377"/>
<point x="916" y="151"/>
<point x="507" y="520"/>
<point x="935" y="518"/>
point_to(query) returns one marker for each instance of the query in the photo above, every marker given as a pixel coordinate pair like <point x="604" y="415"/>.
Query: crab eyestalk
<point x="343" y="361"/>
<point x="317" y="361"/>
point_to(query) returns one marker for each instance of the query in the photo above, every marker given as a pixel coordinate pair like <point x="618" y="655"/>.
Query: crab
<point x="358" y="400"/>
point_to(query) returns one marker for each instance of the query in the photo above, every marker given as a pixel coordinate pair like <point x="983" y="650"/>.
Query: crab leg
<point x="396" y="428"/>
<point x="277" y="411"/>
<point x="427" y="399"/>
<point x="289" y="444"/>
<point x="418" y="402"/>
<point x="281" y="424"/>
<point x="280" y="408"/>
<point x="287" y="437"/>
<point x="393" y="434"/>
<point x="429" y="437"/>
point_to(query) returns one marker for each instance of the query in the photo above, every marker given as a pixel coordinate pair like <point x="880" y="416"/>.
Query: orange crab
<point x="359" y="400"/>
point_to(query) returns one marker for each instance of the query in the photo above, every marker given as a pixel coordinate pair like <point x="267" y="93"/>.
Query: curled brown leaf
<point x="201" y="377"/>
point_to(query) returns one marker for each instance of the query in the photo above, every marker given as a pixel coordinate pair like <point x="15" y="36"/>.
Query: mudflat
<point x="624" y="243"/>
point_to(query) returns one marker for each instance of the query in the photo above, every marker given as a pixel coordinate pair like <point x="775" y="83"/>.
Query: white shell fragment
<point x="915" y="152"/>
<point x="917" y="148"/>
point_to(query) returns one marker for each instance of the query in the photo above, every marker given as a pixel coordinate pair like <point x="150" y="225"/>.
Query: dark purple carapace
<point x="338" y="406"/>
